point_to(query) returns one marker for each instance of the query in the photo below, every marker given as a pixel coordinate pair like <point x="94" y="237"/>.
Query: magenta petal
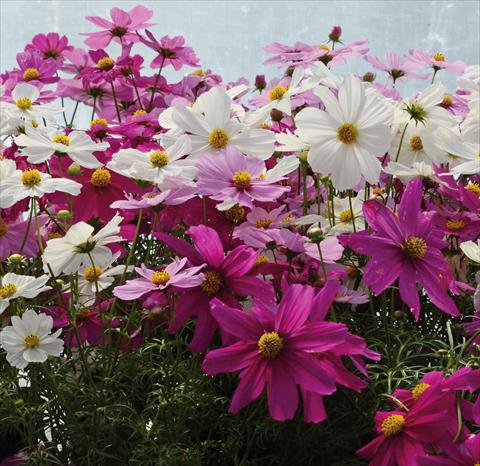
<point x="294" y="308"/>
<point x="407" y="285"/>
<point x="322" y="302"/>
<point x="410" y="206"/>
<point x="231" y="358"/>
<point x="309" y="373"/>
<point x="239" y="261"/>
<point x="313" y="407"/>
<point x="208" y="244"/>
<point x="181" y="247"/>
<point x="282" y="392"/>
<point x="250" y="387"/>
<point x="252" y="286"/>
<point x="382" y="220"/>
<point x="204" y="331"/>
<point x="317" y="337"/>
<point x="381" y="272"/>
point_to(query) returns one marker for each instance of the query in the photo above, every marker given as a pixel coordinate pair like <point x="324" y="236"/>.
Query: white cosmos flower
<point x="406" y="173"/>
<point x="344" y="217"/>
<point x="156" y="165"/>
<point x="470" y="163"/>
<point x="210" y="127"/>
<point x="29" y="339"/>
<point x="33" y="183"/>
<point x="14" y="286"/>
<point x="471" y="250"/>
<point x="348" y="137"/>
<point x="26" y="106"/>
<point x="290" y="142"/>
<point x="91" y="279"/>
<point x="38" y="145"/>
<point x="74" y="250"/>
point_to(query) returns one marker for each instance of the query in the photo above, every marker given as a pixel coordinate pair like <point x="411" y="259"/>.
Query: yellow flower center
<point x="416" y="143"/>
<point x="31" y="178"/>
<point x="378" y="191"/>
<point x="3" y="228"/>
<point x="345" y="216"/>
<point x="242" y="180"/>
<point x="212" y="282"/>
<point x="324" y="47"/>
<point x="105" y="63"/>
<point x="392" y="425"/>
<point x="455" y="225"/>
<point x="347" y="133"/>
<point x="198" y="72"/>
<point x="30" y="74"/>
<point x="218" y="139"/>
<point x="139" y="112"/>
<point x="265" y="126"/>
<point x="270" y="344"/>
<point x="53" y="235"/>
<point x="277" y="93"/>
<point x="34" y="124"/>
<point x="61" y="139"/>
<point x="263" y="223"/>
<point x="31" y="341"/>
<point x="159" y="158"/>
<point x="160" y="278"/>
<point x="447" y="100"/>
<point x="7" y="290"/>
<point x="24" y="103"/>
<point x="99" y="121"/>
<point x="92" y="274"/>
<point x="101" y="178"/>
<point x="474" y="188"/>
<point x="418" y="391"/>
<point x="439" y="57"/>
<point x="261" y="260"/>
<point x="235" y="214"/>
<point x="415" y="247"/>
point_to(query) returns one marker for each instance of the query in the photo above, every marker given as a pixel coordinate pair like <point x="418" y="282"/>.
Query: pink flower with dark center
<point x="463" y="454"/>
<point x="50" y="45"/>
<point x="34" y="69"/>
<point x="396" y="66"/>
<point x="171" y="51"/>
<point x="225" y="277"/>
<point x="276" y="348"/>
<point x="174" y="274"/>
<point x="122" y="28"/>
<point x="407" y="247"/>
<point x="233" y="177"/>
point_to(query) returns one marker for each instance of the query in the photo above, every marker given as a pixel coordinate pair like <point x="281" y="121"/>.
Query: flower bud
<point x="260" y="82"/>
<point x="303" y="156"/>
<point x="64" y="215"/>
<point x="15" y="259"/>
<point x="74" y="169"/>
<point x="398" y="315"/>
<point x="335" y="34"/>
<point x="369" y="77"/>
<point x="276" y="115"/>
<point x="315" y="234"/>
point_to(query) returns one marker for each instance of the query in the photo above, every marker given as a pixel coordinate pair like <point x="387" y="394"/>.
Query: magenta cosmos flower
<point x="12" y="236"/>
<point x="174" y="274"/>
<point x="50" y="45"/>
<point x="396" y="66"/>
<point x="404" y="435"/>
<point x="233" y="177"/>
<point x="464" y="454"/>
<point x="225" y="277"/>
<point x="406" y="247"/>
<point x="35" y="69"/>
<point x="171" y="51"/>
<point x="275" y="348"/>
<point x="121" y="29"/>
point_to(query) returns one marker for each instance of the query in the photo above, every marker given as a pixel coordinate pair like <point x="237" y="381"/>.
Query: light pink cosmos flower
<point x="437" y="61"/>
<point x="154" y="198"/>
<point x="154" y="280"/>
<point x="121" y="29"/>
<point x="396" y="66"/>
<point x="231" y="176"/>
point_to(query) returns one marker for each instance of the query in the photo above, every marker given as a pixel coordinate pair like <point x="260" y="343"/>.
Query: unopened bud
<point x="315" y="234"/>
<point x="64" y="214"/>
<point x="15" y="259"/>
<point x="74" y="169"/>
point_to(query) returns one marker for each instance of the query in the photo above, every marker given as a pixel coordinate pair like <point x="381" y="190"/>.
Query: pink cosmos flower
<point x="233" y="177"/>
<point x="171" y="51"/>
<point x="396" y="66"/>
<point x="404" y="435"/>
<point x="50" y="45"/>
<point x="437" y="61"/>
<point x="174" y="274"/>
<point x="122" y="28"/>
<point x="225" y="277"/>
<point x="408" y="248"/>
<point x="286" y="55"/>
<point x="35" y="69"/>
<point x="275" y="347"/>
<point x="12" y="234"/>
<point x="463" y="454"/>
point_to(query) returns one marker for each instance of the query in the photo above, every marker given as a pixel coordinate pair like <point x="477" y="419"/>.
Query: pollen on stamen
<point x="160" y="277"/>
<point x="347" y="133"/>
<point x="24" y="103"/>
<point x="277" y="93"/>
<point x="31" y="341"/>
<point x="242" y="180"/>
<point x="415" y="247"/>
<point x="439" y="57"/>
<point x="31" y="178"/>
<point x="7" y="290"/>
<point x="61" y="139"/>
<point x="270" y="345"/>
<point x="416" y="144"/>
<point x="159" y="158"/>
<point x="218" y="139"/>
<point x="98" y="121"/>
<point x="30" y="74"/>
<point x="418" y="391"/>
<point x="345" y="216"/>
<point x="212" y="282"/>
<point x="92" y="274"/>
<point x="101" y="178"/>
<point x="392" y="425"/>
<point x="455" y="225"/>
<point x="263" y="223"/>
<point x="105" y="64"/>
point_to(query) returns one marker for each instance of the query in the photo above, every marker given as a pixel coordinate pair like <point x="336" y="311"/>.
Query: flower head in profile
<point x="80" y="247"/>
<point x="122" y="28"/>
<point x="437" y="61"/>
<point x="347" y="138"/>
<point x="234" y="178"/>
<point x="274" y="348"/>
<point x="397" y="67"/>
<point x="13" y="286"/>
<point x="174" y="274"/>
<point x="29" y="339"/>
<point x="407" y="248"/>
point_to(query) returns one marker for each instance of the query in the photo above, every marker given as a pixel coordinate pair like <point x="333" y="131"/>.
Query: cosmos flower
<point x="397" y="67"/>
<point x="13" y="286"/>
<point x="347" y="138"/>
<point x="436" y="61"/>
<point x="407" y="247"/>
<point x="50" y="45"/>
<point x="36" y="69"/>
<point x="29" y="339"/>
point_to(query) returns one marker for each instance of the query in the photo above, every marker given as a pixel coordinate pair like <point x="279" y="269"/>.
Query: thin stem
<point x="73" y="115"/>
<point x="155" y="85"/>
<point x="94" y="107"/>
<point x="116" y="102"/>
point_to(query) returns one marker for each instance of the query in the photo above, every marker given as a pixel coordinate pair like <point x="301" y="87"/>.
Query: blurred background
<point x="228" y="36"/>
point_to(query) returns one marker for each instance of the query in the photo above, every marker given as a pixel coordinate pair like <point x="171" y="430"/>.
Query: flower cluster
<point x="278" y="224"/>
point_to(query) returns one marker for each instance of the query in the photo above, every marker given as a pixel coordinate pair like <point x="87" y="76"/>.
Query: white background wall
<point x="228" y="35"/>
